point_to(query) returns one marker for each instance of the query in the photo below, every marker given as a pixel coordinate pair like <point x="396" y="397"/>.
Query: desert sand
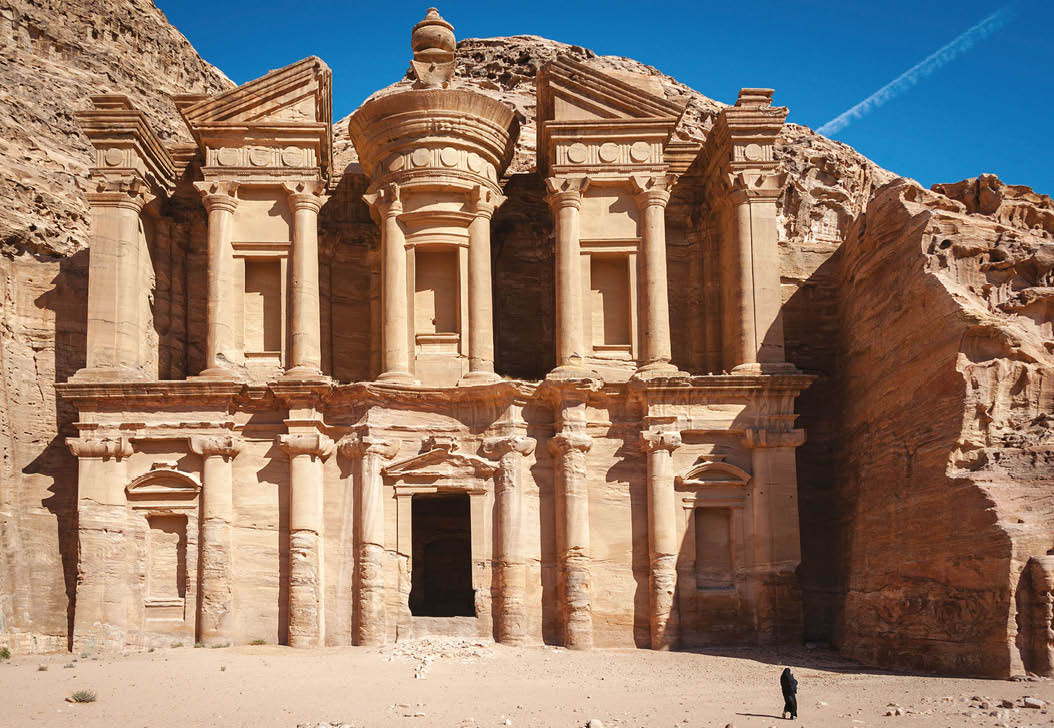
<point x="453" y="682"/>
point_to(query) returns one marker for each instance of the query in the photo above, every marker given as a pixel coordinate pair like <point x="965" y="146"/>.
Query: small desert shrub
<point x="68" y="666"/>
<point x="5" y="654"/>
<point x="258" y="642"/>
<point x="150" y="650"/>
<point x="219" y="645"/>
<point x="83" y="696"/>
<point x="174" y="645"/>
<point x="198" y="645"/>
<point x="84" y="655"/>
<point x="42" y="668"/>
<point x="223" y="668"/>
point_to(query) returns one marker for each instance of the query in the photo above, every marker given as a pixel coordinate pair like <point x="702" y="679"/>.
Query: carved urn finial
<point x="433" y="44"/>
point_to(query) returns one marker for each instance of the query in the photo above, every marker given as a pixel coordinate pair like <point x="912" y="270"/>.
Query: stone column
<point x="510" y="558"/>
<point x="756" y="259"/>
<point x="103" y="572"/>
<point x="221" y="339"/>
<point x="565" y="199"/>
<point x="305" y="200"/>
<point x="372" y="454"/>
<point x="114" y="338"/>
<point x="215" y="621"/>
<point x="306" y="455"/>
<point x="570" y="449"/>
<point x="662" y="535"/>
<point x="395" y="331"/>
<point x="482" y="204"/>
<point x="652" y="195"/>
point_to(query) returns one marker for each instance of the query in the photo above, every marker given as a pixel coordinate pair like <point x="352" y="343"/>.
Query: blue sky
<point x="989" y="109"/>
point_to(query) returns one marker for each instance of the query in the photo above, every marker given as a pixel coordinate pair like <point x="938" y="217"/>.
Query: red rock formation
<point x="946" y="456"/>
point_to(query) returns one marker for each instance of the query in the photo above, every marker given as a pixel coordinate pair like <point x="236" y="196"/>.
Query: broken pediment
<point x="294" y="103"/>
<point x="710" y="472"/>
<point x="440" y="463"/>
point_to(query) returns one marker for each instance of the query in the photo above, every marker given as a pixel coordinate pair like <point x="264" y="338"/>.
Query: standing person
<point x="789" y="686"/>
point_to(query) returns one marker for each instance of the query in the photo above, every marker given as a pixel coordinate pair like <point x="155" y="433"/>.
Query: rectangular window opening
<point x="263" y="306"/>
<point x="610" y="301"/>
<point x="713" y="548"/>
<point x="436" y="292"/>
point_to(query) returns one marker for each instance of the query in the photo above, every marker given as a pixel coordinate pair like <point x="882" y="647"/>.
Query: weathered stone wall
<point x="944" y="468"/>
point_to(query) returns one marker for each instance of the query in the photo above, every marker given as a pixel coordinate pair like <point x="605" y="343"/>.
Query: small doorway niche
<point x="441" y="582"/>
<point x="263" y="307"/>
<point x="713" y="548"/>
<point x="436" y="292"/>
<point x="166" y="569"/>
<point x="609" y="289"/>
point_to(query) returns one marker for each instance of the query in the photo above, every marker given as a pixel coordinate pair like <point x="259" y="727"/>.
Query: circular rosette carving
<point x="640" y="152"/>
<point x="449" y="157"/>
<point x="421" y="157"/>
<point x="608" y="152"/>
<point x="293" y="157"/>
<point x="577" y="153"/>
<point x="259" y="156"/>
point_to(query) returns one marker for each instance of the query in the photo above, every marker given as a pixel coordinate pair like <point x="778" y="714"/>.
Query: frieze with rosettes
<point x="439" y="158"/>
<point x="609" y="153"/>
<point x="265" y="157"/>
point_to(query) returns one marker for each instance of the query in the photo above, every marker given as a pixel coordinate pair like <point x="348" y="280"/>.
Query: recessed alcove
<point x="442" y="556"/>
<point x="610" y="302"/>
<point x="713" y="548"/>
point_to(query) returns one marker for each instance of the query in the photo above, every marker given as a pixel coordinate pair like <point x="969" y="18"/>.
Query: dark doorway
<point x="441" y="583"/>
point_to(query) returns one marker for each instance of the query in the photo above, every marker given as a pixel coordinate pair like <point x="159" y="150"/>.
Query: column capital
<point x="483" y="201"/>
<point x="498" y="446"/>
<point x="305" y="195"/>
<point x="127" y="191"/>
<point x="652" y="190"/>
<point x="218" y="195"/>
<point x="360" y="444"/>
<point x="757" y="437"/>
<point x="207" y="446"/>
<point x="385" y="201"/>
<point x="565" y="191"/>
<point x="565" y="441"/>
<point x="653" y="440"/>
<point x="99" y="447"/>
<point x="313" y="444"/>
<point x="755" y="186"/>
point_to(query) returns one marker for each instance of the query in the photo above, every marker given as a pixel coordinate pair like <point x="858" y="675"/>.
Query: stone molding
<point x="499" y="446"/>
<point x="305" y="195"/>
<point x="385" y="201"/>
<point x="653" y="440"/>
<point x="483" y="202"/>
<point x="127" y="191"/>
<point x="564" y="441"/>
<point x="565" y="191"/>
<point x="759" y="438"/>
<point x="313" y="444"/>
<point x="357" y="445"/>
<point x="652" y="190"/>
<point x="755" y="186"/>
<point x="99" y="447"/>
<point x="218" y="195"/>
<point x="208" y="446"/>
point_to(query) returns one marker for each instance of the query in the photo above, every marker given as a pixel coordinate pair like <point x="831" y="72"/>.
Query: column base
<point x="302" y="373"/>
<point x="478" y="377"/>
<point x="397" y="377"/>
<point x="663" y="370"/>
<point x="222" y="374"/>
<point x="772" y="367"/>
<point x="566" y="372"/>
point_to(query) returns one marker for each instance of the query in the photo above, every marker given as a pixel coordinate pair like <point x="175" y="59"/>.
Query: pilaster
<point x="306" y="452"/>
<point x="510" y="559"/>
<point x="372" y="454"/>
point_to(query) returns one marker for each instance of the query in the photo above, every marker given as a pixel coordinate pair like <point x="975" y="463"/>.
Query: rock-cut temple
<point x="309" y="416"/>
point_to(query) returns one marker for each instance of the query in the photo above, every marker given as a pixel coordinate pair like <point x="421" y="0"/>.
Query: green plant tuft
<point x="258" y="642"/>
<point x="198" y="645"/>
<point x="68" y="666"/>
<point x="174" y="645"/>
<point x="83" y="696"/>
<point x="5" y="654"/>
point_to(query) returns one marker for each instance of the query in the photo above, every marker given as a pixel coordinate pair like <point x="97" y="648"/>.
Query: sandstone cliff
<point x="946" y="462"/>
<point x="54" y="54"/>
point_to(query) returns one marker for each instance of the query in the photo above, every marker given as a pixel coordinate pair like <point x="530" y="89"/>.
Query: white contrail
<point x="916" y="73"/>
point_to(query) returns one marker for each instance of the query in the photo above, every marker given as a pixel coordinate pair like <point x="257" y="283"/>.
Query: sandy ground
<point x="466" y="684"/>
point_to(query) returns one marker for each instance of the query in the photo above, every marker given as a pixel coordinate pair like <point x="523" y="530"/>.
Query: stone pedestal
<point x="510" y="560"/>
<point x="662" y="536"/>
<point x="569" y="450"/>
<point x="215" y="614"/>
<point x="221" y="340"/>
<point x="103" y="571"/>
<point x="305" y="359"/>
<point x="306" y="455"/>
<point x="372" y="454"/>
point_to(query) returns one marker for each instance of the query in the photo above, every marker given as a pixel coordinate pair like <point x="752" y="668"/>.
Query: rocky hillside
<point x="54" y="54"/>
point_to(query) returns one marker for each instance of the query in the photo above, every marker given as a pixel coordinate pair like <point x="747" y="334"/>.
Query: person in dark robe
<point x="789" y="686"/>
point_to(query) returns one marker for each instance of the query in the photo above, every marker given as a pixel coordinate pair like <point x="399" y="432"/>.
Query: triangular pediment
<point x="440" y="464"/>
<point x="569" y="90"/>
<point x="298" y="93"/>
